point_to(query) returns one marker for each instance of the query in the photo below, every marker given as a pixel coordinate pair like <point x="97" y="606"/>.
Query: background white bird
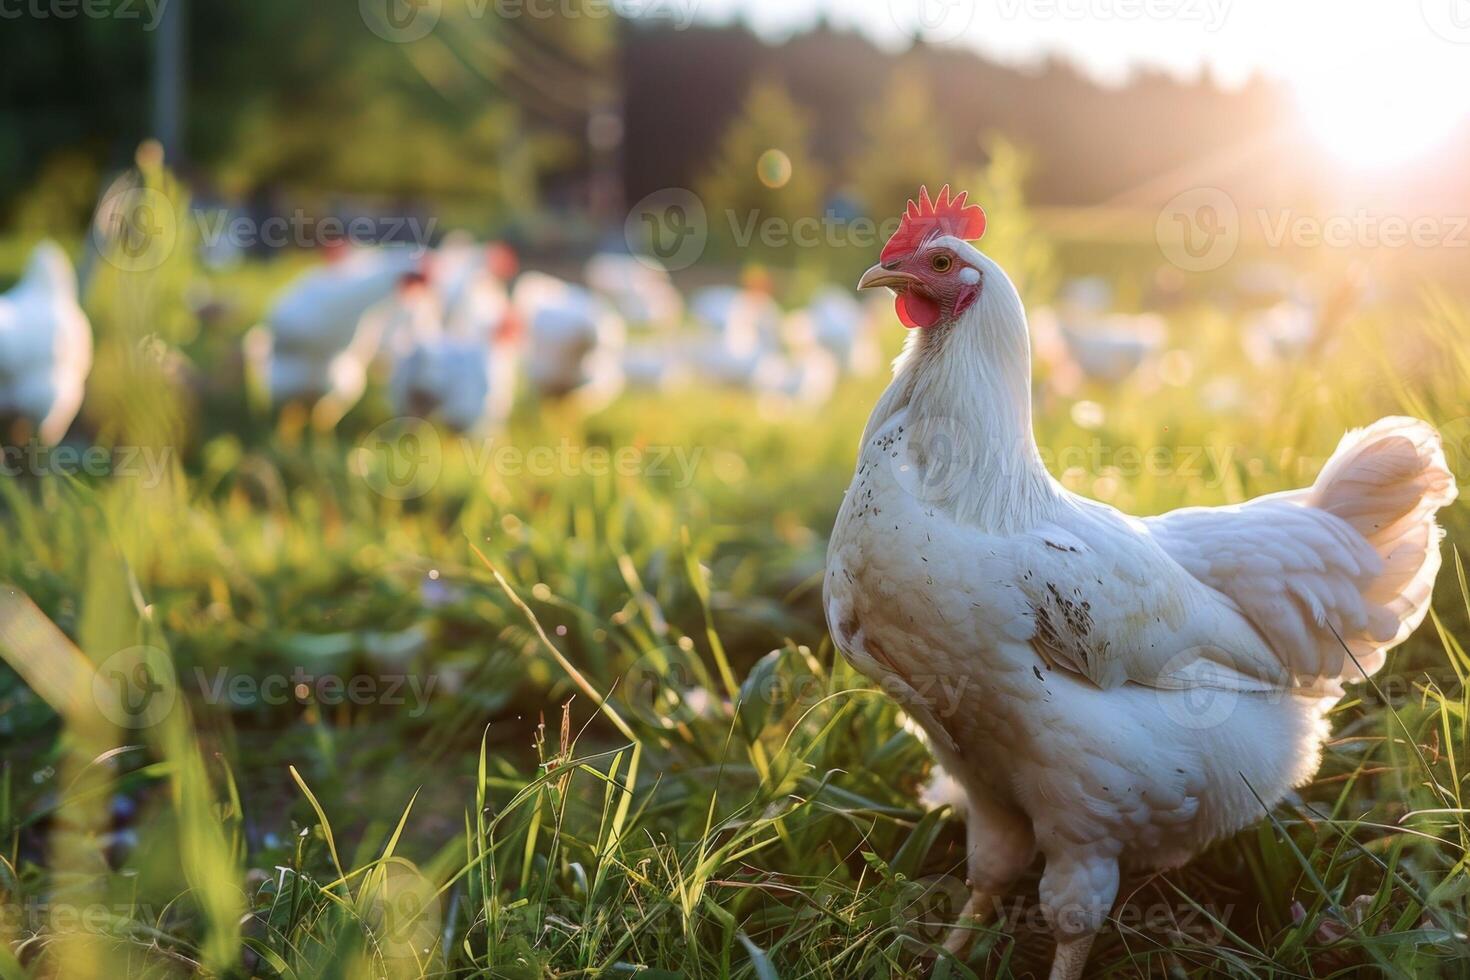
<point x="801" y="376"/>
<point x="1301" y="322"/>
<point x="574" y="340"/>
<point x="738" y="326"/>
<point x="663" y="363"/>
<point x="465" y="376"/>
<point x="843" y="326"/>
<point x="638" y="287"/>
<point x="45" y="346"/>
<point x="1102" y="348"/>
<point x="323" y="331"/>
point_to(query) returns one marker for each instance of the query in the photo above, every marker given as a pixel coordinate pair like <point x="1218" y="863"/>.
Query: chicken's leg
<point x="1077" y="892"/>
<point x="1000" y="845"/>
<point x="1071" y="957"/>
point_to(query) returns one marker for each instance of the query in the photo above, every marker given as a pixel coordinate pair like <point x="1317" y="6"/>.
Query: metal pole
<point x="168" y="80"/>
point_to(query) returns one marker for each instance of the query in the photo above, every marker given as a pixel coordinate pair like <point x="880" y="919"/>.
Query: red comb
<point x="925" y="219"/>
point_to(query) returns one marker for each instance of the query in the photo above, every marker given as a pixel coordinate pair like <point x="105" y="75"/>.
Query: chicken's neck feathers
<point x="967" y="385"/>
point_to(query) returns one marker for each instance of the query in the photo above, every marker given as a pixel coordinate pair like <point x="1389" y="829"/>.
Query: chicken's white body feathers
<point x="45" y="345"/>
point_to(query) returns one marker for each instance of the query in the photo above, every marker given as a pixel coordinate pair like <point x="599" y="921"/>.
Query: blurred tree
<point x="1012" y="236"/>
<point x="61" y="200"/>
<point x="763" y="179"/>
<point x="904" y="145"/>
<point x="447" y="115"/>
<point x="317" y="98"/>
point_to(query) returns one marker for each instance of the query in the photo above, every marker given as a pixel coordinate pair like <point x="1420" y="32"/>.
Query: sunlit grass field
<point x="384" y="702"/>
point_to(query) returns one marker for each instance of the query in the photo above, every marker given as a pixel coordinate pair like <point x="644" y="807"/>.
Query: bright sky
<point x="1378" y="81"/>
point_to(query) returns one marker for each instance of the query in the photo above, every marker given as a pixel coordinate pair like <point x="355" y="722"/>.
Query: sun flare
<point x="1379" y="117"/>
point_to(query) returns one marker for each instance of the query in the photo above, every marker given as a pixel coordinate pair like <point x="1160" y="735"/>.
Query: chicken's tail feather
<point x="1387" y="481"/>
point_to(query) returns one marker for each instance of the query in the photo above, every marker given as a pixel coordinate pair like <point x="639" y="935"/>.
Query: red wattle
<point x="916" y="309"/>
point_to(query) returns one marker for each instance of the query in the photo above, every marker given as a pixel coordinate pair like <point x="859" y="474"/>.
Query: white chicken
<point x="574" y="340"/>
<point x="45" y="346"/>
<point x="1117" y="692"/>
<point x="738" y="328"/>
<point x="463" y="376"/>
<point x="324" y="330"/>
<point x="661" y="364"/>
<point x="801" y="377"/>
<point x="1283" y="331"/>
<point x="461" y="266"/>
<point x="842" y="326"/>
<point x="1104" y="348"/>
<point x="638" y="287"/>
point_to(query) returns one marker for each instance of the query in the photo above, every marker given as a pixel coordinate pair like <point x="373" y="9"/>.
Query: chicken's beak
<point x="879" y="276"/>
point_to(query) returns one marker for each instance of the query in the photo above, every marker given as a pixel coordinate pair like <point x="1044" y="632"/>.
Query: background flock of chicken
<point x="458" y="332"/>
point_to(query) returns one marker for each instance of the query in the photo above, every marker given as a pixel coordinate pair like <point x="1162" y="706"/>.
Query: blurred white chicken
<point x="574" y="340"/>
<point x="1283" y="331"/>
<point x="800" y="379"/>
<point x="738" y="327"/>
<point x="1106" y="348"/>
<point x="460" y="266"/>
<point x="1111" y="692"/>
<point x="45" y="347"/>
<point x="1302" y="322"/>
<point x="662" y="363"/>
<point x="842" y="326"/>
<point x="324" y="329"/>
<point x="638" y="287"/>
<point x="468" y="383"/>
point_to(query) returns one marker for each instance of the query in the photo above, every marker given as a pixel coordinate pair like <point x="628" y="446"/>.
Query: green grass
<point x="630" y="748"/>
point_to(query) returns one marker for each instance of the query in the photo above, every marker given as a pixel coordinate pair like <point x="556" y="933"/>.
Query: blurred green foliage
<point x="307" y="99"/>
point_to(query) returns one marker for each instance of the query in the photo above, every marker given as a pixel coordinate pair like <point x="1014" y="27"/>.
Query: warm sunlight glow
<point x="1374" y="117"/>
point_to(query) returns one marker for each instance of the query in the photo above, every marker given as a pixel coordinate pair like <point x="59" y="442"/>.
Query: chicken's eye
<point x="941" y="262"/>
